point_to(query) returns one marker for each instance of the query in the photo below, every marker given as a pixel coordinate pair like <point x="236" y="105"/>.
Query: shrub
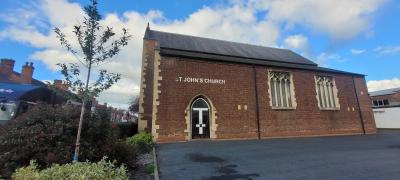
<point x="123" y="130"/>
<point x="150" y="168"/>
<point x="144" y="141"/>
<point x="79" y="170"/>
<point x="47" y="134"/>
<point x="124" y="153"/>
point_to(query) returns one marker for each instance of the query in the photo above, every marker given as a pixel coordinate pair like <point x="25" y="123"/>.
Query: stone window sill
<point x="283" y="108"/>
<point x="329" y="109"/>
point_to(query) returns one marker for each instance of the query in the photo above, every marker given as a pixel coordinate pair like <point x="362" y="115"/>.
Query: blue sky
<point x="358" y="36"/>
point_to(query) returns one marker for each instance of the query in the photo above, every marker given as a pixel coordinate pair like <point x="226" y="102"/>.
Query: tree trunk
<point x="78" y="136"/>
<point x="85" y="95"/>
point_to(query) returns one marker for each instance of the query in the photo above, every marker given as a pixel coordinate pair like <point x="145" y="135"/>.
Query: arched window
<point x="326" y="92"/>
<point x="280" y="89"/>
<point x="200" y="103"/>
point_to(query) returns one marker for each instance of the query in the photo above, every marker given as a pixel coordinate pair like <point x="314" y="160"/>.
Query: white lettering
<point x="200" y="80"/>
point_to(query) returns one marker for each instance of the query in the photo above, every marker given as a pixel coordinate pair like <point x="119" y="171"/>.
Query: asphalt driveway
<point x="340" y="157"/>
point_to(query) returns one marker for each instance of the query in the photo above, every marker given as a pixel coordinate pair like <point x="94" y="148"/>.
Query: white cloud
<point x="357" y="51"/>
<point x="383" y="84"/>
<point x="324" y="58"/>
<point x="61" y="12"/>
<point x="387" y="49"/>
<point x="340" y="19"/>
<point x="299" y="42"/>
<point x="50" y="57"/>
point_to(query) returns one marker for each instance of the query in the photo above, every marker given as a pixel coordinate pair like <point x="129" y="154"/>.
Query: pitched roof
<point x="385" y="92"/>
<point x="4" y="78"/>
<point x="13" y="91"/>
<point x="218" y="50"/>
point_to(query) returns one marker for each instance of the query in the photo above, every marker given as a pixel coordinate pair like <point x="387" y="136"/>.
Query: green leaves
<point x="97" y="46"/>
<point x="63" y="41"/>
<point x="46" y="133"/>
<point x="103" y="169"/>
<point x="105" y="80"/>
<point x="142" y="140"/>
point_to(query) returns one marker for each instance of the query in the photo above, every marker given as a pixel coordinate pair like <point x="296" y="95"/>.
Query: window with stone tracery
<point x="326" y="92"/>
<point x="281" y="90"/>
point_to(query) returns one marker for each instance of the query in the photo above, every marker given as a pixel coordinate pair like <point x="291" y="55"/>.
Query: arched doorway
<point x="200" y="117"/>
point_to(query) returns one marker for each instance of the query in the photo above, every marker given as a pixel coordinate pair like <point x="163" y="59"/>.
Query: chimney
<point x="59" y="84"/>
<point x="7" y="66"/>
<point x="27" y="72"/>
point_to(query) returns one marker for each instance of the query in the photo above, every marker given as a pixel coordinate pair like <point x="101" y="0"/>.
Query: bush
<point x="150" y="168"/>
<point x="144" y="141"/>
<point x="123" y="130"/>
<point x="124" y="153"/>
<point x="47" y="134"/>
<point x="79" y="170"/>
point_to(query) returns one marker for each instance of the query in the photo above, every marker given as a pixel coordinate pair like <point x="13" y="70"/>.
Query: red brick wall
<point x="175" y="97"/>
<point x="365" y="104"/>
<point x="306" y="119"/>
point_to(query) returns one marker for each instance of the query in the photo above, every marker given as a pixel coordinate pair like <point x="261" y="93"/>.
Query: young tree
<point x="95" y="49"/>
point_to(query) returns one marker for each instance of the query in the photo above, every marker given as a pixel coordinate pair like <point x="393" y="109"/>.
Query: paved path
<point x="340" y="157"/>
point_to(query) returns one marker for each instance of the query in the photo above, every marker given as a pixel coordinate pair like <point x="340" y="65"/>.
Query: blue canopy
<point x="13" y="92"/>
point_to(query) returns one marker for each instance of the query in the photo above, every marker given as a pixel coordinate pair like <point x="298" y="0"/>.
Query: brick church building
<point x="200" y="88"/>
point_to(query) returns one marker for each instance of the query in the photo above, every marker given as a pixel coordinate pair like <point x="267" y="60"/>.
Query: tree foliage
<point x="96" y="46"/>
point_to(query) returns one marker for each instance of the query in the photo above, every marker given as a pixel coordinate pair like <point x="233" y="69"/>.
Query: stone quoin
<point x="200" y="88"/>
